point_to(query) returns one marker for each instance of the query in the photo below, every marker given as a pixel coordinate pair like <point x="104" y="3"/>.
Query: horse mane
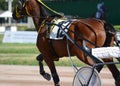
<point x="47" y="13"/>
<point x="44" y="12"/>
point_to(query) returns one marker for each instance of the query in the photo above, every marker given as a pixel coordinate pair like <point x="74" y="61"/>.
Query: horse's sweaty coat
<point x="90" y="30"/>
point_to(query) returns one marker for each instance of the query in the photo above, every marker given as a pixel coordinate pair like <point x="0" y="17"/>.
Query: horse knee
<point x="39" y="58"/>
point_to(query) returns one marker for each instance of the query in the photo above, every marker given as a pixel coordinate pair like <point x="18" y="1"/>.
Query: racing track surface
<point x="11" y="75"/>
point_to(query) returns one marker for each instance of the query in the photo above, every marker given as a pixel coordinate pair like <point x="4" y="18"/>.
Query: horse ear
<point x="19" y="5"/>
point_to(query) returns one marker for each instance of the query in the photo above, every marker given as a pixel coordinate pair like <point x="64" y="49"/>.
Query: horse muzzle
<point x="16" y="15"/>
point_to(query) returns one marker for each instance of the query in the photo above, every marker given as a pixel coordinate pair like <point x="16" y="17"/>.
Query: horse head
<point x="91" y="30"/>
<point x="24" y="8"/>
<point x="33" y="8"/>
<point x="19" y="12"/>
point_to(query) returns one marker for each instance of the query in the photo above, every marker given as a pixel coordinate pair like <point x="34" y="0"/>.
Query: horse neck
<point x="36" y="13"/>
<point x="37" y="22"/>
<point x="39" y="15"/>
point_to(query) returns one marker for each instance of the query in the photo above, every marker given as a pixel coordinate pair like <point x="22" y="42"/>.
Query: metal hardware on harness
<point x="71" y="62"/>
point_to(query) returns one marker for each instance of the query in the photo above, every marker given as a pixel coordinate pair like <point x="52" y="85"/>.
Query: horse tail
<point x="110" y="33"/>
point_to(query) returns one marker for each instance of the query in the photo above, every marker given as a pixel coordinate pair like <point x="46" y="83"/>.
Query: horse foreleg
<point x="41" y="68"/>
<point x="115" y="72"/>
<point x="52" y="68"/>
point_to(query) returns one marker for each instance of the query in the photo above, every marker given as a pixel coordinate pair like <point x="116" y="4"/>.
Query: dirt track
<point x="29" y="76"/>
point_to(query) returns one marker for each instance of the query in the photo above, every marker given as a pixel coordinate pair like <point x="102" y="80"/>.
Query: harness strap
<point x="17" y="14"/>
<point x="90" y="29"/>
<point x="40" y="1"/>
<point x="42" y="25"/>
<point x="53" y="50"/>
<point x="27" y="11"/>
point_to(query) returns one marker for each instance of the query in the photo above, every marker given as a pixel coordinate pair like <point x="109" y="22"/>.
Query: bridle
<point x="22" y="6"/>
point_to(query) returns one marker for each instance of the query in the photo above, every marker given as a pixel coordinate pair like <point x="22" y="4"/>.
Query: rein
<point x="41" y="2"/>
<point x="28" y="13"/>
<point x="81" y="37"/>
<point x="23" y="5"/>
<point x="42" y="25"/>
<point x="44" y="20"/>
<point x="49" y="8"/>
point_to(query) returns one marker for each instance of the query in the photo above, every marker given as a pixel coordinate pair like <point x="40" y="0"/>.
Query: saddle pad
<point x="55" y="32"/>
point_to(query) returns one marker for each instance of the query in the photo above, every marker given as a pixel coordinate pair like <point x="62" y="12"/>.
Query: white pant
<point x="98" y="15"/>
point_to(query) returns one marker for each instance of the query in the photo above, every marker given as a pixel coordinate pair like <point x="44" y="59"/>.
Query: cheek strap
<point x="27" y="11"/>
<point x="17" y="13"/>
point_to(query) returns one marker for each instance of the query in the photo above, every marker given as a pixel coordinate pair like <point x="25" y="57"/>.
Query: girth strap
<point x="53" y="51"/>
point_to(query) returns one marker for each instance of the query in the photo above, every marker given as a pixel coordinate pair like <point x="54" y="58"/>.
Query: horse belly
<point x="60" y="47"/>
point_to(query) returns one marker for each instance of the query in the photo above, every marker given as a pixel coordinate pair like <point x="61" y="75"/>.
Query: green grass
<point x="21" y="54"/>
<point x="18" y="59"/>
<point x="25" y="54"/>
<point x="65" y="61"/>
<point x="30" y="59"/>
<point x="15" y="53"/>
<point x="1" y="37"/>
<point x="117" y="27"/>
<point x="18" y="48"/>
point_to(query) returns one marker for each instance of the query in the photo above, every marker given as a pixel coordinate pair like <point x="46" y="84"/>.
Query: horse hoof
<point x="39" y="57"/>
<point x="57" y="84"/>
<point x="47" y="76"/>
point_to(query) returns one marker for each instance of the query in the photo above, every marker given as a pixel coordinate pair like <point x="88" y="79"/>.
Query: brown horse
<point x="90" y="30"/>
